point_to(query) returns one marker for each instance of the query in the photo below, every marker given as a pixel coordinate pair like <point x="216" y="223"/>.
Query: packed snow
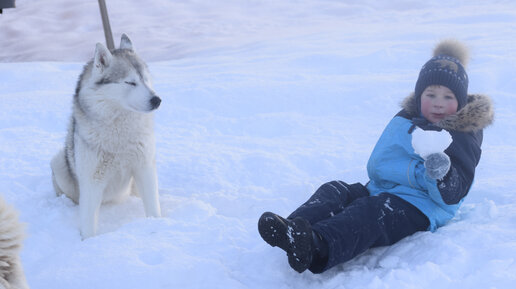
<point x="427" y="142"/>
<point x="263" y="101"/>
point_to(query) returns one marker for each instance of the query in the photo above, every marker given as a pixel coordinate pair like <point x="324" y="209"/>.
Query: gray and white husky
<point x="110" y="142"/>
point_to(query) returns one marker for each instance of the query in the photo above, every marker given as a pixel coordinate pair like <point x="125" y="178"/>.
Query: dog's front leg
<point x="89" y="204"/>
<point x="146" y="180"/>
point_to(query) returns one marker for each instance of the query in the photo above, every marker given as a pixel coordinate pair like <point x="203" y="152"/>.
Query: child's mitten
<point x="437" y="165"/>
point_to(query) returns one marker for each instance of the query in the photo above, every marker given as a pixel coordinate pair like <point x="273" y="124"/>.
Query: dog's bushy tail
<point x="11" y="238"/>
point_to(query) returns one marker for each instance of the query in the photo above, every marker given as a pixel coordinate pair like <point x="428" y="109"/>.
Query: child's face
<point x="437" y="102"/>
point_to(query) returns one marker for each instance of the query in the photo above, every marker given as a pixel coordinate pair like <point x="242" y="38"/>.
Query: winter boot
<point x="301" y="239"/>
<point x="320" y="253"/>
<point x="273" y="229"/>
<point x="293" y="236"/>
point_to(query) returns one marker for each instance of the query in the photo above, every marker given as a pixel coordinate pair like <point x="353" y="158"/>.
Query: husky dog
<point x="110" y="142"/>
<point x="11" y="237"/>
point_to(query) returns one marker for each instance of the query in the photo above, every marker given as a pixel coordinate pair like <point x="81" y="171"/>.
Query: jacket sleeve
<point x="464" y="153"/>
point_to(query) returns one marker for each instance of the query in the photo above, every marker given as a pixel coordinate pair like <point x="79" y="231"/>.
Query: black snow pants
<point x="350" y="221"/>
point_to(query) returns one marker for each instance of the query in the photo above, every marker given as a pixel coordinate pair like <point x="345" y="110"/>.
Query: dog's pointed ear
<point x="125" y="42"/>
<point x="102" y="58"/>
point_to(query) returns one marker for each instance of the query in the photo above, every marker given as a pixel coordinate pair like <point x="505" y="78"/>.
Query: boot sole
<point x="273" y="230"/>
<point x="300" y="245"/>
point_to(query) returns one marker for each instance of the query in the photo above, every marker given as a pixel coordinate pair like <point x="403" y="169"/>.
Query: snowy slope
<point x="263" y="101"/>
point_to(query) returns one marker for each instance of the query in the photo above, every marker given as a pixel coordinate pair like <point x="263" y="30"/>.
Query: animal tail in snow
<point x="11" y="238"/>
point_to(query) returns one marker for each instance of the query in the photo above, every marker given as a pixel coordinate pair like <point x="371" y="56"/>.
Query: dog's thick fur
<point x="11" y="238"/>
<point x="110" y="141"/>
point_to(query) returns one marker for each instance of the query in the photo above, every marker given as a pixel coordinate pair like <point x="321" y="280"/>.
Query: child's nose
<point x="438" y="103"/>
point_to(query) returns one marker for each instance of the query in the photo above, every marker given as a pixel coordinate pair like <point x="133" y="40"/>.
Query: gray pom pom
<point x="453" y="48"/>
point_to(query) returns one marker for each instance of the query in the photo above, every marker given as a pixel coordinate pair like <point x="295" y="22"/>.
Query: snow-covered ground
<point x="263" y="101"/>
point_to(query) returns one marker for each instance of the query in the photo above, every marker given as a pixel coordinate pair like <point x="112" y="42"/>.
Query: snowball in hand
<point x="426" y="142"/>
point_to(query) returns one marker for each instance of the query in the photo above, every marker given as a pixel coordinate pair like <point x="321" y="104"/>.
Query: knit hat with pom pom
<point x="445" y="68"/>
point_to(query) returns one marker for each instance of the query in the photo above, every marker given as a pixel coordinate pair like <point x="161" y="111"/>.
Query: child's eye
<point x="132" y="83"/>
<point x="450" y="97"/>
<point x="430" y="95"/>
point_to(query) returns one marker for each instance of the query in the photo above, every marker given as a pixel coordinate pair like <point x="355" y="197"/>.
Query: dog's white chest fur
<point x="129" y="134"/>
<point x="114" y="151"/>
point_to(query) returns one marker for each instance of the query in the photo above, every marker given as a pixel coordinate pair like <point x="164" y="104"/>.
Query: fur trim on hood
<point x="477" y="114"/>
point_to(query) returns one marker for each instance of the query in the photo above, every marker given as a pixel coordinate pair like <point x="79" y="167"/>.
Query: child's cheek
<point x="452" y="107"/>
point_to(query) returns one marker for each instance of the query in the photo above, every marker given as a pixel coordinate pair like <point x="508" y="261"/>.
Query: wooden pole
<point x="107" y="28"/>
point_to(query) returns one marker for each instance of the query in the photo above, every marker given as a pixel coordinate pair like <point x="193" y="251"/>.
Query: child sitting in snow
<point x="413" y="185"/>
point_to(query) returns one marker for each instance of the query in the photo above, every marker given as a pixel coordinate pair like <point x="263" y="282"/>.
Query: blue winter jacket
<point x="394" y="167"/>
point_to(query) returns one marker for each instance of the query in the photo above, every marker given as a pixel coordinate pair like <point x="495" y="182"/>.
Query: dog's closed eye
<point x="132" y="83"/>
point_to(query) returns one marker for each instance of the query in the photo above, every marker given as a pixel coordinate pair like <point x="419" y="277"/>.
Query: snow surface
<point x="263" y="101"/>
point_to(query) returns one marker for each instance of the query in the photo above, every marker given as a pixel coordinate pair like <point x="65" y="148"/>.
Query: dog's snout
<point x="155" y="102"/>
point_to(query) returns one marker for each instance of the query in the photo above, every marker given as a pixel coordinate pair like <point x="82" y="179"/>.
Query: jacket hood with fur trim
<point x="476" y="115"/>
